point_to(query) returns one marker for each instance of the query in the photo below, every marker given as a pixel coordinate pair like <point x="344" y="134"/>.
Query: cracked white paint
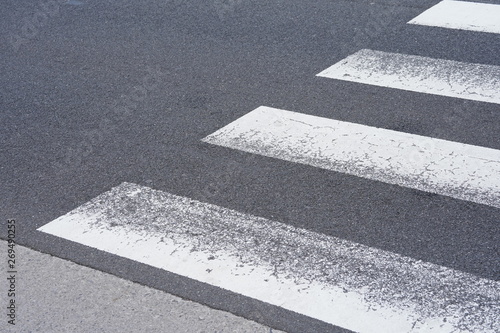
<point x="336" y="281"/>
<point x="448" y="168"/>
<point x="462" y="15"/>
<point x="420" y="74"/>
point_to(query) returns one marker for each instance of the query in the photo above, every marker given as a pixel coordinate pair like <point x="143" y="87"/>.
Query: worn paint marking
<point x="450" y="78"/>
<point x="339" y="282"/>
<point x="462" y="15"/>
<point x="448" y="168"/>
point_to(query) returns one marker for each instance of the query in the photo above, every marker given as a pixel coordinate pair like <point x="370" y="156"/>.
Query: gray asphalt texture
<point x="93" y="94"/>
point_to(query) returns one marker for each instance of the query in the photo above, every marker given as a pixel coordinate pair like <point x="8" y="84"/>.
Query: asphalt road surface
<point x="95" y="94"/>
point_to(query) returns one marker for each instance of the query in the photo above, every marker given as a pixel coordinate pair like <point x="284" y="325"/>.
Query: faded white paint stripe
<point x="444" y="167"/>
<point x="462" y="15"/>
<point x="339" y="282"/>
<point x="421" y="74"/>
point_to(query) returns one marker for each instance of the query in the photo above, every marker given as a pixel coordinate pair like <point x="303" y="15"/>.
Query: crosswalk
<point x="323" y="277"/>
<point x="448" y="168"/>
<point x="420" y="74"/>
<point x="336" y="281"/>
<point x="462" y="15"/>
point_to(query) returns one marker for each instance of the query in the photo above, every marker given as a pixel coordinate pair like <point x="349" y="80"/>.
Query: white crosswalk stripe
<point x="333" y="280"/>
<point x="420" y="74"/>
<point x="336" y="281"/>
<point x="448" y="168"/>
<point x="462" y="15"/>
